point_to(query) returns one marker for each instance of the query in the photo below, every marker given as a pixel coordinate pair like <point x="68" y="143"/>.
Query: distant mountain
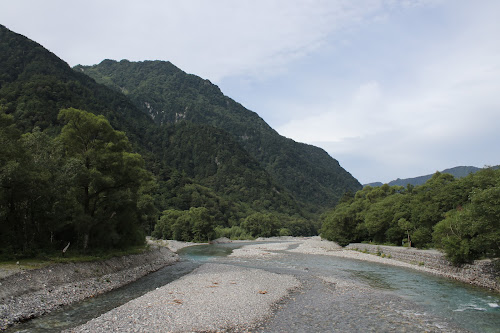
<point x="457" y="172"/>
<point x="170" y="96"/>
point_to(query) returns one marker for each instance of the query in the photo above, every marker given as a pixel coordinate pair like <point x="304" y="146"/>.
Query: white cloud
<point x="442" y="110"/>
<point x="213" y="39"/>
<point x="359" y="118"/>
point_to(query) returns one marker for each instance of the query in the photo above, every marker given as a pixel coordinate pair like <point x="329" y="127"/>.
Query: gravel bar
<point x="214" y="297"/>
<point x="31" y="293"/>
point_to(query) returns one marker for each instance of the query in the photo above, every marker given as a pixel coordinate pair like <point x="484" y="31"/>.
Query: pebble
<point x="214" y="297"/>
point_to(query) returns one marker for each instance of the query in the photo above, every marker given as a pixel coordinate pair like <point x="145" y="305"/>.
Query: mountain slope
<point x="212" y="158"/>
<point x="35" y="84"/>
<point x="169" y="95"/>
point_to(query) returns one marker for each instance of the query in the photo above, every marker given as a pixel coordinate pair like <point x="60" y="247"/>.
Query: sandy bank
<point x="261" y="250"/>
<point x="214" y="297"/>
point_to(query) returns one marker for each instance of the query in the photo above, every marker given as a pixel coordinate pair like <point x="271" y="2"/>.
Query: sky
<point x="391" y="89"/>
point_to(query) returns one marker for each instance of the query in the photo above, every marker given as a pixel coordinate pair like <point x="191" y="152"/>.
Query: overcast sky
<point x="388" y="88"/>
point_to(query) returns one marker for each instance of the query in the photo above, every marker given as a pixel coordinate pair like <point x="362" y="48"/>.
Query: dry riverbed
<point x="214" y="297"/>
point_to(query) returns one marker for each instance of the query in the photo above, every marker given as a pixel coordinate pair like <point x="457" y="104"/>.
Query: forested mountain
<point x="169" y="95"/>
<point x="457" y="172"/>
<point x="103" y="191"/>
<point x="35" y="84"/>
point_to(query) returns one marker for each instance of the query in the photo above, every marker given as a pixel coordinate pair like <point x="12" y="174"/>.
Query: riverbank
<point x="481" y="273"/>
<point x="171" y="244"/>
<point x="27" y="294"/>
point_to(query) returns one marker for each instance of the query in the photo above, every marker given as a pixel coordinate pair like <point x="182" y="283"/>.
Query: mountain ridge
<point x="170" y="95"/>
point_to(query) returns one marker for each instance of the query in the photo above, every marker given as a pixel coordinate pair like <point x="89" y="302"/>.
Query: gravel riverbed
<point x="214" y="297"/>
<point x="332" y="304"/>
<point x="245" y="292"/>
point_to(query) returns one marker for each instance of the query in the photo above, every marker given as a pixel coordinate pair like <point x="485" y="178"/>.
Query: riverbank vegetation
<point x="459" y="216"/>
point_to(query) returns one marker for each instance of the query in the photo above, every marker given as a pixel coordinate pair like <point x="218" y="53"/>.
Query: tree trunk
<point x="85" y="241"/>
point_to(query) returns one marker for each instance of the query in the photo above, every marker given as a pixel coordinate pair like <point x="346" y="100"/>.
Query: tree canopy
<point x="460" y="216"/>
<point x="83" y="187"/>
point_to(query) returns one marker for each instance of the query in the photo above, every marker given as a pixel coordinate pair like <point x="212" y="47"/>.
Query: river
<point x="466" y="307"/>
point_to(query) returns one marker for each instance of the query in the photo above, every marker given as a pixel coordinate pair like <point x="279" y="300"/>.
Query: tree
<point x="195" y="224"/>
<point x="341" y="224"/>
<point x="379" y="217"/>
<point x="202" y="224"/>
<point x="406" y="226"/>
<point x="472" y="231"/>
<point x="261" y="225"/>
<point x="12" y="184"/>
<point x="107" y="180"/>
<point x="163" y="228"/>
<point x="34" y="179"/>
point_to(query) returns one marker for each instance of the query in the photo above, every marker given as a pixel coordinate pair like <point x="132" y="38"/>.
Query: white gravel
<point x="317" y="246"/>
<point x="171" y="244"/>
<point x="32" y="293"/>
<point x="214" y="297"/>
<point x="260" y="250"/>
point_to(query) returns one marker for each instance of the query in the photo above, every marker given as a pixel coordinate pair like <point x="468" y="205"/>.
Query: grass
<point x="45" y="259"/>
<point x="24" y="264"/>
<point x="378" y="253"/>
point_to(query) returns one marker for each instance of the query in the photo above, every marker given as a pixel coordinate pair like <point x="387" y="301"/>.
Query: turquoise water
<point x="472" y="308"/>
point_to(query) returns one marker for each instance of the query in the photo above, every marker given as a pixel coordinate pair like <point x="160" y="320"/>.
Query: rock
<point x="222" y="240"/>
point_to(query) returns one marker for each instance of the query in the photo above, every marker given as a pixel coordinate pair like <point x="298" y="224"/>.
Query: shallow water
<point x="469" y="307"/>
<point x="472" y="308"/>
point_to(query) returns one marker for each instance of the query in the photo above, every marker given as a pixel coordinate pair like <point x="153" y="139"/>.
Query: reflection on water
<point x="205" y="252"/>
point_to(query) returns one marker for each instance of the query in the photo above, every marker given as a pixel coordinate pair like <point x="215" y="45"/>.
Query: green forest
<point x="459" y="216"/>
<point x="84" y="186"/>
